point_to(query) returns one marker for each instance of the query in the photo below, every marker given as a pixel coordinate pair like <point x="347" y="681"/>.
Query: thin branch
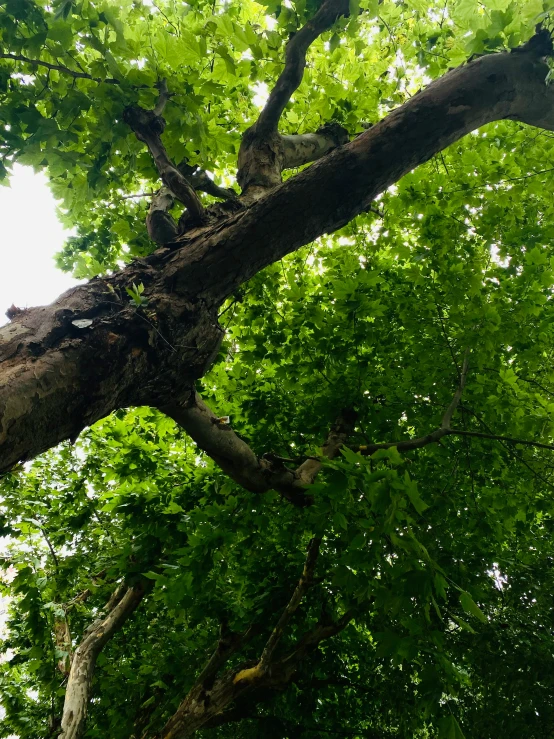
<point x="447" y="418"/>
<point x="500" y="182"/>
<point x="511" y="451"/>
<point x="299" y="592"/>
<point x="264" y="153"/>
<point x="163" y="97"/>
<point x="436" y="435"/>
<point x="498" y="437"/>
<point x="310" y="641"/>
<point x="148" y="128"/>
<point x="50" y="547"/>
<point x="295" y="62"/>
<point x="445" y="333"/>
<point x="59" y="68"/>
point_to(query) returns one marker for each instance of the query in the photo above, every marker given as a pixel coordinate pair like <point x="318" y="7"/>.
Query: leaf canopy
<point x="445" y="552"/>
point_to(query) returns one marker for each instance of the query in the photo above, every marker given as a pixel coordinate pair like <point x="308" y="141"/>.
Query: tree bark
<point x="121" y="605"/>
<point x="59" y="373"/>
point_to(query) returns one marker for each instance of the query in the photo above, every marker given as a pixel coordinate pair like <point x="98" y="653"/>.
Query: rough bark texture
<point x="52" y="384"/>
<point x="264" y="153"/>
<point x="93" y="350"/>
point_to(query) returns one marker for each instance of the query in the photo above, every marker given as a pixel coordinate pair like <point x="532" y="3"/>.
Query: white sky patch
<point x="31" y="235"/>
<point x="261" y="91"/>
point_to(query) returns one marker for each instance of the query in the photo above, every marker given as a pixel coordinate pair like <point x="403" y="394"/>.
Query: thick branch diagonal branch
<point x="50" y="389"/>
<point x="207" y="701"/>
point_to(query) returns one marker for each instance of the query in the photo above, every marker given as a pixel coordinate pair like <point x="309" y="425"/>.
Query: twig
<point x="499" y="437"/>
<point x="59" y="68"/>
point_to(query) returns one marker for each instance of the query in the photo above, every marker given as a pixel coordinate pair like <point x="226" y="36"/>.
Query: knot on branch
<point x="146" y="124"/>
<point x="334" y="131"/>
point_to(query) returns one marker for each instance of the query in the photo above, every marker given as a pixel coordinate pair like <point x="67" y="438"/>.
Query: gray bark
<point x="79" y="686"/>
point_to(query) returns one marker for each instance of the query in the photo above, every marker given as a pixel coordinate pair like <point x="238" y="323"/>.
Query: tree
<point x="356" y="539"/>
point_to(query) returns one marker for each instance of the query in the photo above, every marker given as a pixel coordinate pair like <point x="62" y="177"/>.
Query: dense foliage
<point x="444" y="552"/>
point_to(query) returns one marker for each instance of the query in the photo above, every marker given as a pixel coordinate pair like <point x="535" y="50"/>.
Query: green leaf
<point x="449" y="728"/>
<point x="469" y="606"/>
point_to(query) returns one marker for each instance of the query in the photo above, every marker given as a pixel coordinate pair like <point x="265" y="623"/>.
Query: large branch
<point x="121" y="605"/>
<point x="51" y="382"/>
<point x="240" y="462"/>
<point x="148" y="126"/>
<point x="295" y="62"/>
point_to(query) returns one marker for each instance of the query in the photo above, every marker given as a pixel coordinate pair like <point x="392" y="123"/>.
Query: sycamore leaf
<point x="469" y="606"/>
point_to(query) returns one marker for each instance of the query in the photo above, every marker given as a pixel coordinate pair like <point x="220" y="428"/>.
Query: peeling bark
<point x="62" y="640"/>
<point x="161" y="226"/>
<point x="52" y="384"/>
<point x="264" y="153"/>
<point x="121" y="605"/>
<point x="309" y="147"/>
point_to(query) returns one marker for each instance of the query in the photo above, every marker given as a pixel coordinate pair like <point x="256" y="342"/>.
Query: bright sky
<point x="30" y="236"/>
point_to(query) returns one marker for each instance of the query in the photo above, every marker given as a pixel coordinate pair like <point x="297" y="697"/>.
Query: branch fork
<point x="264" y="153"/>
<point x="205" y="704"/>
